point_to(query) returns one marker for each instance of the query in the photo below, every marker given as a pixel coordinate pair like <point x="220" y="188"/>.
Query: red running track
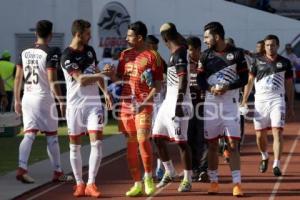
<point x="114" y="179"/>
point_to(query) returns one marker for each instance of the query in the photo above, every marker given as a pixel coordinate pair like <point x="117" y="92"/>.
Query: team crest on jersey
<point x="230" y="56"/>
<point x="67" y="62"/>
<point x="279" y="65"/>
<point x="261" y="62"/>
<point x="144" y="61"/>
<point x="90" y="55"/>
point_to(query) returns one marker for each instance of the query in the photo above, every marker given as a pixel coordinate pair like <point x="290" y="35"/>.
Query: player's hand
<point x="3" y="102"/>
<point x="179" y="111"/>
<point x="62" y="107"/>
<point x="18" y="108"/>
<point x="108" y="100"/>
<point x="108" y="70"/>
<point x="220" y="90"/>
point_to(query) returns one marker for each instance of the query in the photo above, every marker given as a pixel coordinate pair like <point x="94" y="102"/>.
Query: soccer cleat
<point x="214" y="188"/>
<point x="185" y="186"/>
<point x="203" y="177"/>
<point x="22" y="175"/>
<point x="79" y="190"/>
<point x="91" y="190"/>
<point x="159" y="173"/>
<point x="149" y="186"/>
<point x="237" y="190"/>
<point x="165" y="180"/>
<point x="135" y="191"/>
<point x="61" y="177"/>
<point x="263" y="166"/>
<point x="277" y="171"/>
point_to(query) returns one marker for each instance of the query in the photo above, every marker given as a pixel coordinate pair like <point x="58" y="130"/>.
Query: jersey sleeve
<point x="53" y="58"/>
<point x="241" y="70"/>
<point x="181" y="63"/>
<point x="289" y="70"/>
<point x="95" y="57"/>
<point x="69" y="64"/>
<point x="121" y="65"/>
<point x="157" y="67"/>
<point x="201" y="73"/>
<point x="19" y="62"/>
<point x="253" y="67"/>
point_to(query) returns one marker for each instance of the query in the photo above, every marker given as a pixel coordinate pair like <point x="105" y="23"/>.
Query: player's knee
<point x="52" y="140"/>
<point x="143" y="135"/>
<point x="30" y="136"/>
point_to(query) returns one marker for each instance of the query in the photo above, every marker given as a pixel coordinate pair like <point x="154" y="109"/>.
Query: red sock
<point x="133" y="159"/>
<point x="146" y="154"/>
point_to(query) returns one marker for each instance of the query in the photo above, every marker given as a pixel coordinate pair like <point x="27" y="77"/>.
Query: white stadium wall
<point x="244" y="24"/>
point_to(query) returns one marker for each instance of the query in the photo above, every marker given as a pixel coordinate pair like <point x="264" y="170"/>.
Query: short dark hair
<point x="194" y="42"/>
<point x="79" y="26"/>
<point x="215" y="28"/>
<point x="260" y="42"/>
<point x="139" y="28"/>
<point x="151" y="39"/>
<point x="168" y="32"/>
<point x="44" y="28"/>
<point x="272" y="37"/>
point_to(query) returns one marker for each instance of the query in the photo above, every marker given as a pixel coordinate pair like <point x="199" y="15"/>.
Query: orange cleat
<point x="214" y="188"/>
<point x="91" y="190"/>
<point x="79" y="190"/>
<point x="237" y="190"/>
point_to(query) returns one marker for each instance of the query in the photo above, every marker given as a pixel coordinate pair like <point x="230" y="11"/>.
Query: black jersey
<point x="223" y="68"/>
<point x="84" y="62"/>
<point x="270" y="76"/>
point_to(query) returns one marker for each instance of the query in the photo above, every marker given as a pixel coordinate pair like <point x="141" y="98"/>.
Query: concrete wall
<point x="244" y="24"/>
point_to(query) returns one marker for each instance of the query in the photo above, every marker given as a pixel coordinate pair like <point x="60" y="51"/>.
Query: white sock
<point x="187" y="175"/>
<point x="95" y="160"/>
<point x="276" y="163"/>
<point x="169" y="167"/>
<point x="213" y="175"/>
<point x="159" y="164"/>
<point x="138" y="183"/>
<point x="54" y="152"/>
<point x="236" y="176"/>
<point x="148" y="175"/>
<point x="76" y="162"/>
<point x="264" y="155"/>
<point x="25" y="149"/>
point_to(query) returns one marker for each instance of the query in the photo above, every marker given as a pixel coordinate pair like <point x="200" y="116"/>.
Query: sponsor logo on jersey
<point x="230" y="56"/>
<point x="279" y="65"/>
<point x="90" y="55"/>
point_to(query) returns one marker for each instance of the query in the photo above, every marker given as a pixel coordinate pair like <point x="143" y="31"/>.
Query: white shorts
<point x="221" y="119"/>
<point x="39" y="114"/>
<point x="85" y="119"/>
<point x="168" y="127"/>
<point x="269" y="114"/>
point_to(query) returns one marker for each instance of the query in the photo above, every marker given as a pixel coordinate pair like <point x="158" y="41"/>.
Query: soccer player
<point x="137" y="103"/>
<point x="84" y="109"/>
<point x="152" y="43"/>
<point x="172" y="119"/>
<point x="38" y="66"/>
<point x="222" y="71"/>
<point x="196" y="138"/>
<point x="272" y="76"/>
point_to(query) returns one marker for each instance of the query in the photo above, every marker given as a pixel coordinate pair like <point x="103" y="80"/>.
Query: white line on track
<point x="286" y="164"/>
<point x="60" y="184"/>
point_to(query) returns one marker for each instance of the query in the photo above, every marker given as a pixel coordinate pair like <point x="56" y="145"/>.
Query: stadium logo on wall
<point x="112" y="26"/>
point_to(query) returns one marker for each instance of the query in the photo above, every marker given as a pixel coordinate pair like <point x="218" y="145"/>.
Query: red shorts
<point x="130" y="122"/>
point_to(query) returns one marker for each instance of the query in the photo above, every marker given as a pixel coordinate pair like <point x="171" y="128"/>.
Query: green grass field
<point x="9" y="147"/>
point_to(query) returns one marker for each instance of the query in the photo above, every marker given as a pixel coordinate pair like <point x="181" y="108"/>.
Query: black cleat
<point x="263" y="166"/>
<point x="277" y="171"/>
<point x="203" y="177"/>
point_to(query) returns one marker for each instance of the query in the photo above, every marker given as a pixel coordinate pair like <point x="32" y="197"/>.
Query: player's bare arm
<point x="17" y="90"/>
<point x="183" y="83"/>
<point x="247" y="90"/>
<point x="55" y="88"/>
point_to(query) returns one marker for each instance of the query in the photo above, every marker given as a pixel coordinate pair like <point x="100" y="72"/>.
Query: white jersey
<point x="35" y="62"/>
<point x="270" y="77"/>
<point x="85" y="62"/>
